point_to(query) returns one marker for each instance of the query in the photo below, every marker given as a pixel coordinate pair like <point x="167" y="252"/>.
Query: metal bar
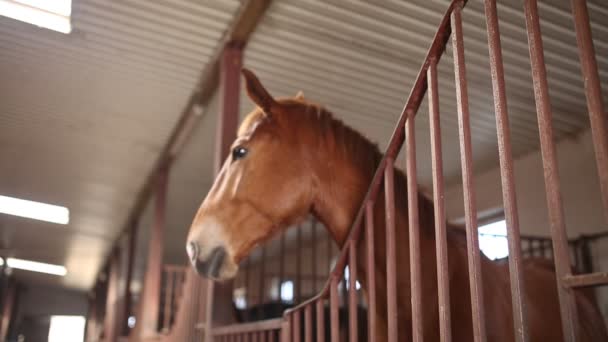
<point x="297" y="326"/>
<point x="314" y="255"/>
<point x="272" y="335"/>
<point x="241" y="328"/>
<point x="247" y="287"/>
<point x="414" y="229"/>
<point x="262" y="275"/>
<point x="593" y="92"/>
<point x="333" y="309"/>
<point x="552" y="186"/>
<point x="298" y="282"/>
<point x="464" y="130"/>
<point x="443" y="284"/>
<point x="352" y="291"/>
<point x="391" y="253"/>
<point x="286" y="329"/>
<point x="308" y="323"/>
<point x="329" y="248"/>
<point x="371" y="271"/>
<point x="167" y="309"/>
<point x="282" y="265"/>
<point x="584" y="280"/>
<point x="320" y="320"/>
<point x="262" y="335"/>
<point x="254" y="337"/>
<point x="506" y="173"/>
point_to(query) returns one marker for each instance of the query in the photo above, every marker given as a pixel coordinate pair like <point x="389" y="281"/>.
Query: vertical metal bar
<point x="298" y="282"/>
<point x="391" y="254"/>
<point x="286" y="329"/>
<point x="271" y="336"/>
<point x="282" y="265"/>
<point x="254" y="337"/>
<point x="297" y="327"/>
<point x="334" y="306"/>
<point x="308" y="323"/>
<point x="464" y="130"/>
<point x="371" y="271"/>
<point x="262" y="276"/>
<point x="414" y="229"/>
<point x="314" y="255"/>
<point x="506" y="172"/>
<point x="552" y="186"/>
<point x="441" y="248"/>
<point x="593" y="92"/>
<point x="329" y="248"/>
<point x="352" y="291"/>
<point x="167" y="308"/>
<point x="262" y="335"/>
<point x="320" y="320"/>
<point x="246" y="337"/>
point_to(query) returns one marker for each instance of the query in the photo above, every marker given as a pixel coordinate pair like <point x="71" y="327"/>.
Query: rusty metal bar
<point x="320" y="320"/>
<point x="552" y="186"/>
<point x="464" y="130"/>
<point x="242" y="328"/>
<point x="352" y="291"/>
<point x="308" y="323"/>
<point x="282" y="265"/>
<point x="414" y="229"/>
<point x="371" y="271"/>
<point x="286" y="328"/>
<point x="506" y="173"/>
<point x="262" y="279"/>
<point x="296" y="325"/>
<point x="333" y="309"/>
<point x="584" y="280"/>
<point x="593" y="92"/>
<point x="443" y="284"/>
<point x="391" y="253"/>
<point x="314" y="255"/>
<point x="298" y="282"/>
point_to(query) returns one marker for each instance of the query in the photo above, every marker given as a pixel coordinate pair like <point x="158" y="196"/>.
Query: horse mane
<point x="356" y="147"/>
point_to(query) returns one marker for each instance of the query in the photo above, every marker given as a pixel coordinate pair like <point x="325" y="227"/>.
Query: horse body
<point x="292" y="158"/>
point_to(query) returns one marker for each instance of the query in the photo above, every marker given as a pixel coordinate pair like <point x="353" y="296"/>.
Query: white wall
<point x="579" y="182"/>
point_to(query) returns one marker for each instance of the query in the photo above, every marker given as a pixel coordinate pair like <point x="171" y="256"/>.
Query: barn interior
<point x="113" y="110"/>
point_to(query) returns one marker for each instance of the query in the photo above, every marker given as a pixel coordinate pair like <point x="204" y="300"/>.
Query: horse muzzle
<point x="211" y="265"/>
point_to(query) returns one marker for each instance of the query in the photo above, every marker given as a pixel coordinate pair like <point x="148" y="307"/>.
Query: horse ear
<point x="300" y="95"/>
<point x="256" y="91"/>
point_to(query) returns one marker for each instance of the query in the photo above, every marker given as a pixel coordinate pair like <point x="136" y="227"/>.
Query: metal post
<point x="443" y="284"/>
<point x="219" y="295"/>
<point x="464" y="129"/>
<point x="506" y="173"/>
<point x="593" y="92"/>
<point x="552" y="186"/>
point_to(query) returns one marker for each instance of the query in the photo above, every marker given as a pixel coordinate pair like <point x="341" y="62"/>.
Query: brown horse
<point x="292" y="158"/>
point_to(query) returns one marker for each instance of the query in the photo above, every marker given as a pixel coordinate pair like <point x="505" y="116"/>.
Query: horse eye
<point x="238" y="152"/>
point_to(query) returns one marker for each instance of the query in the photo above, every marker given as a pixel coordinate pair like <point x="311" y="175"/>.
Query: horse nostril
<point x="192" y="249"/>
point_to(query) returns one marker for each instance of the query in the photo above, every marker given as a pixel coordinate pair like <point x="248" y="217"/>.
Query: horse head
<point x="263" y="186"/>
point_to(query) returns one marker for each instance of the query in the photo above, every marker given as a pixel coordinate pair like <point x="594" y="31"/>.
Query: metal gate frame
<point x="363" y="231"/>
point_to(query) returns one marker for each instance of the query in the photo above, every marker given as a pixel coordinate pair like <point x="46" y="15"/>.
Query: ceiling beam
<point x="238" y="32"/>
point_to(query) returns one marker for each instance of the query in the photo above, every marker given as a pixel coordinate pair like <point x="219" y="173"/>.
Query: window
<point x="347" y="278"/>
<point x="50" y="14"/>
<point x="240" y="298"/>
<point x="493" y="240"/>
<point x="67" y="329"/>
<point x="287" y="291"/>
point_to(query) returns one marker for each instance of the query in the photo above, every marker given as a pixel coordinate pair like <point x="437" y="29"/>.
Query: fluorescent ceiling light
<point x="34" y="266"/>
<point x="34" y="210"/>
<point x="53" y="15"/>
